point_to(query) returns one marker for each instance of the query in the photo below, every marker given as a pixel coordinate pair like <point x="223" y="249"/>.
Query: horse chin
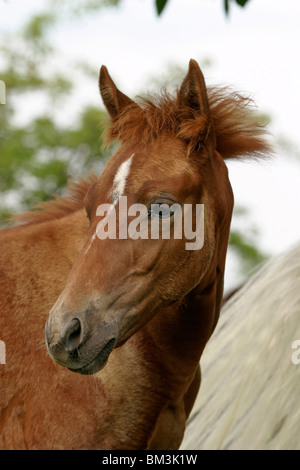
<point x="99" y="361"/>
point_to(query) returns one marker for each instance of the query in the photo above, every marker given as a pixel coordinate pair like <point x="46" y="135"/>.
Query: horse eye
<point x="163" y="211"/>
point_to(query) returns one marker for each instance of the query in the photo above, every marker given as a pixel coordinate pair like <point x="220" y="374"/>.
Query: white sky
<point x="256" y="50"/>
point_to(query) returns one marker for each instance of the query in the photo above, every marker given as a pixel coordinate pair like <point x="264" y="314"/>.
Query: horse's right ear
<point x="114" y="100"/>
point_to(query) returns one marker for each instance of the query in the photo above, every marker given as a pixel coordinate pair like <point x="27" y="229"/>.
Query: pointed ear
<point x="193" y="92"/>
<point x="114" y="100"/>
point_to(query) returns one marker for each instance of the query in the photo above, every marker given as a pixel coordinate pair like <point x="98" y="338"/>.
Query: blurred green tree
<point x="37" y="153"/>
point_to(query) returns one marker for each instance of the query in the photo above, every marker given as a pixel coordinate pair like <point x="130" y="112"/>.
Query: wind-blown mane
<point x="237" y="132"/>
<point x="236" y="126"/>
<point x="60" y="206"/>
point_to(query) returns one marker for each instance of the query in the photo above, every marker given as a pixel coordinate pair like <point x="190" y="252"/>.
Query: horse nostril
<point x="72" y="335"/>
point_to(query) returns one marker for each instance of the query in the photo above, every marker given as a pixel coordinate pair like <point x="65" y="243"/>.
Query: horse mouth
<point x="99" y="361"/>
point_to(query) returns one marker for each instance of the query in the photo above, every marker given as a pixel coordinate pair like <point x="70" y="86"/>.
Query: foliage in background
<point x="243" y="245"/>
<point x="80" y="7"/>
<point x="161" y="4"/>
<point x="38" y="155"/>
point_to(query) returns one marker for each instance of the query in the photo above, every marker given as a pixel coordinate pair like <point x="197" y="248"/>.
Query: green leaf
<point x="160" y="5"/>
<point x="226" y="6"/>
<point x="242" y="3"/>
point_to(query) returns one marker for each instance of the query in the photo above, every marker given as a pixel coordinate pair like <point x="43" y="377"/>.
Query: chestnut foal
<point x="131" y="315"/>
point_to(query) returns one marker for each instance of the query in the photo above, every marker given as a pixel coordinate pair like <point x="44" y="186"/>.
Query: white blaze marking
<point x="119" y="184"/>
<point x="120" y="179"/>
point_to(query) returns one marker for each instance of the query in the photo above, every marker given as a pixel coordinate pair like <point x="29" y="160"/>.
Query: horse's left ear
<point x="193" y="92"/>
<point x="114" y="100"/>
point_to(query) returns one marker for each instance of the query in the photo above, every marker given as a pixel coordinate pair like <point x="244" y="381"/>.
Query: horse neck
<point x="71" y="233"/>
<point x="181" y="330"/>
<point x="179" y="333"/>
<point x="47" y="249"/>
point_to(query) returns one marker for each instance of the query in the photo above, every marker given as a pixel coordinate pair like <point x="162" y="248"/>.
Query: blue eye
<point x="163" y="211"/>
